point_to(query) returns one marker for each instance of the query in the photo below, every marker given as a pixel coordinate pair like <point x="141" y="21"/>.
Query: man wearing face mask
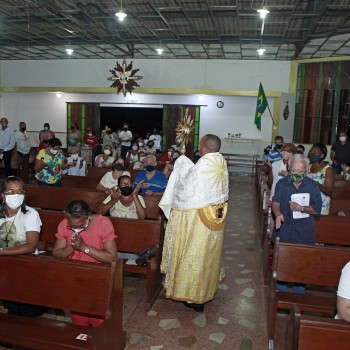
<point x="76" y="165"/>
<point x="7" y="142"/>
<point x="340" y="153"/>
<point x="275" y="153"/>
<point x="154" y="181"/>
<point x="104" y="160"/>
<point x="126" y="137"/>
<point x="290" y="229"/>
<point x="22" y="148"/>
<point x="109" y="181"/>
<point x="157" y="139"/>
<point x="125" y="201"/>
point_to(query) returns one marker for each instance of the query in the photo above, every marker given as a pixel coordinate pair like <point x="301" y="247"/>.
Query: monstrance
<point x="184" y="131"/>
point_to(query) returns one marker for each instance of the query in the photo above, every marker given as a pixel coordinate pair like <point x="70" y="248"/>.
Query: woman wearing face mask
<point x="49" y="164"/>
<point x="321" y="172"/>
<point x="19" y="233"/>
<point x="84" y="236"/>
<point x="166" y="157"/>
<point x="74" y="137"/>
<point x="140" y="165"/>
<point x="150" y="148"/>
<point x="90" y="140"/>
<point x="132" y="155"/>
<point x="45" y="135"/>
<point x="125" y="201"/>
<point x="110" y="179"/>
<point x="104" y="160"/>
<point x="141" y="144"/>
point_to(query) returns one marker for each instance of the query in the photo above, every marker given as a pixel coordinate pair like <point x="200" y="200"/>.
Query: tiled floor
<point x="236" y="318"/>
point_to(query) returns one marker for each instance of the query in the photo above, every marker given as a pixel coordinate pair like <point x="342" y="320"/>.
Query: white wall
<point x="162" y="73"/>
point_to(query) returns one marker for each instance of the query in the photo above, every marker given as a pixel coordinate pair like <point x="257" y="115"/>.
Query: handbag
<point x="146" y="255"/>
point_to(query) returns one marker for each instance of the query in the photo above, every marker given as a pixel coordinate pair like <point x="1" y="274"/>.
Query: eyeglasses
<point x="12" y="192"/>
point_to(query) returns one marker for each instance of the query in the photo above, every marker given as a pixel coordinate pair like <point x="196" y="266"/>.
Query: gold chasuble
<point x="195" y="202"/>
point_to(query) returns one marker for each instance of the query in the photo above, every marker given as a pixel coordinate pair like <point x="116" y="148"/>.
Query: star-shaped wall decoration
<point x="124" y="78"/>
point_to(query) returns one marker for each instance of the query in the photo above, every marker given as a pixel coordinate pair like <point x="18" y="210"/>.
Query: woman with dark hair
<point x="88" y="237"/>
<point x="321" y="172"/>
<point x="19" y="233"/>
<point x="74" y="137"/>
<point x="45" y="136"/>
<point x="49" y="164"/>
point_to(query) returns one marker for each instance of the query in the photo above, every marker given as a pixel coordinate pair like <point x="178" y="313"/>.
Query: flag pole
<point x="273" y="122"/>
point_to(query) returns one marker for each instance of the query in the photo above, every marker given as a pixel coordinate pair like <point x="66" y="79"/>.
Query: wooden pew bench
<point x="57" y="198"/>
<point x="132" y="237"/>
<point x="339" y="205"/>
<point x="94" y="289"/>
<point x="316" y="333"/>
<point x="317" y="266"/>
<point x="247" y="162"/>
<point x="80" y="182"/>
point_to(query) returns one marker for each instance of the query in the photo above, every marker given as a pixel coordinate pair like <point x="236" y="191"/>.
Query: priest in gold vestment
<point x="195" y="202"/>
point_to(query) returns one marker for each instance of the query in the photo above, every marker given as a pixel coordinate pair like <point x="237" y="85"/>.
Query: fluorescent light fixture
<point x="69" y="51"/>
<point x="261" y="51"/>
<point x="159" y="50"/>
<point x="263" y="12"/>
<point x="58" y="95"/>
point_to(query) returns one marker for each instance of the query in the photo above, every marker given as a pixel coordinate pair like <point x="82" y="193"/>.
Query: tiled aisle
<point x="235" y="319"/>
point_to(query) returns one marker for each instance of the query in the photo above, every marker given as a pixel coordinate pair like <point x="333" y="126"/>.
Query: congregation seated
<point x="125" y="201"/>
<point x="154" y="181"/>
<point x="343" y="294"/>
<point x="104" y="160"/>
<point x="84" y="236"/>
<point x="110" y="179"/>
<point x="76" y="165"/>
<point x="139" y="164"/>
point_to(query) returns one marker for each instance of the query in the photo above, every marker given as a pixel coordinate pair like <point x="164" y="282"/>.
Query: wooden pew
<point x="57" y="198"/>
<point x="340" y="205"/>
<point x="94" y="289"/>
<point x="332" y="230"/>
<point x="132" y="237"/>
<point x="311" y="265"/>
<point x="80" y="182"/>
<point x="316" y="333"/>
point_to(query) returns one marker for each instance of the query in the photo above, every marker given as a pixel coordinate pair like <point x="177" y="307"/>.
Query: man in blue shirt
<point x="296" y="230"/>
<point x="154" y="181"/>
<point x="275" y="153"/>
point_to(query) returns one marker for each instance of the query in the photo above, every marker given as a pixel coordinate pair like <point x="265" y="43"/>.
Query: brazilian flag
<point x="260" y="107"/>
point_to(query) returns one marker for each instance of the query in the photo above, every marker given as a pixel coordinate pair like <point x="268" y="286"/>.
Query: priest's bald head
<point x="209" y="144"/>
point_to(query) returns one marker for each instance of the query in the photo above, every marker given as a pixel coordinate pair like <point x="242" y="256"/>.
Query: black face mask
<point x="150" y="145"/>
<point x="118" y="167"/>
<point x="279" y="146"/>
<point x="150" y="168"/>
<point x="23" y="129"/>
<point x="125" y="129"/>
<point x="314" y="158"/>
<point x="126" y="191"/>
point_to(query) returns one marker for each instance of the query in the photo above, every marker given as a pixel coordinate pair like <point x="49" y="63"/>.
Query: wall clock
<point x="220" y="104"/>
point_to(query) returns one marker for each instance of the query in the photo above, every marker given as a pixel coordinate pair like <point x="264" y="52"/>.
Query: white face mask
<point x="140" y="144"/>
<point x="53" y="151"/>
<point x="142" y="159"/>
<point x="90" y="134"/>
<point x="342" y="138"/>
<point x="134" y="148"/>
<point x="46" y="128"/>
<point x="74" y="156"/>
<point x="170" y="153"/>
<point x="107" y="152"/>
<point x="78" y="230"/>
<point x="14" y="201"/>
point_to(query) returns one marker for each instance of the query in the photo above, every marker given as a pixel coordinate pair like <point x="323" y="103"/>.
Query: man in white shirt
<point x="22" y="147"/>
<point x="156" y="138"/>
<point x="76" y="166"/>
<point x="126" y="137"/>
<point x="7" y="142"/>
